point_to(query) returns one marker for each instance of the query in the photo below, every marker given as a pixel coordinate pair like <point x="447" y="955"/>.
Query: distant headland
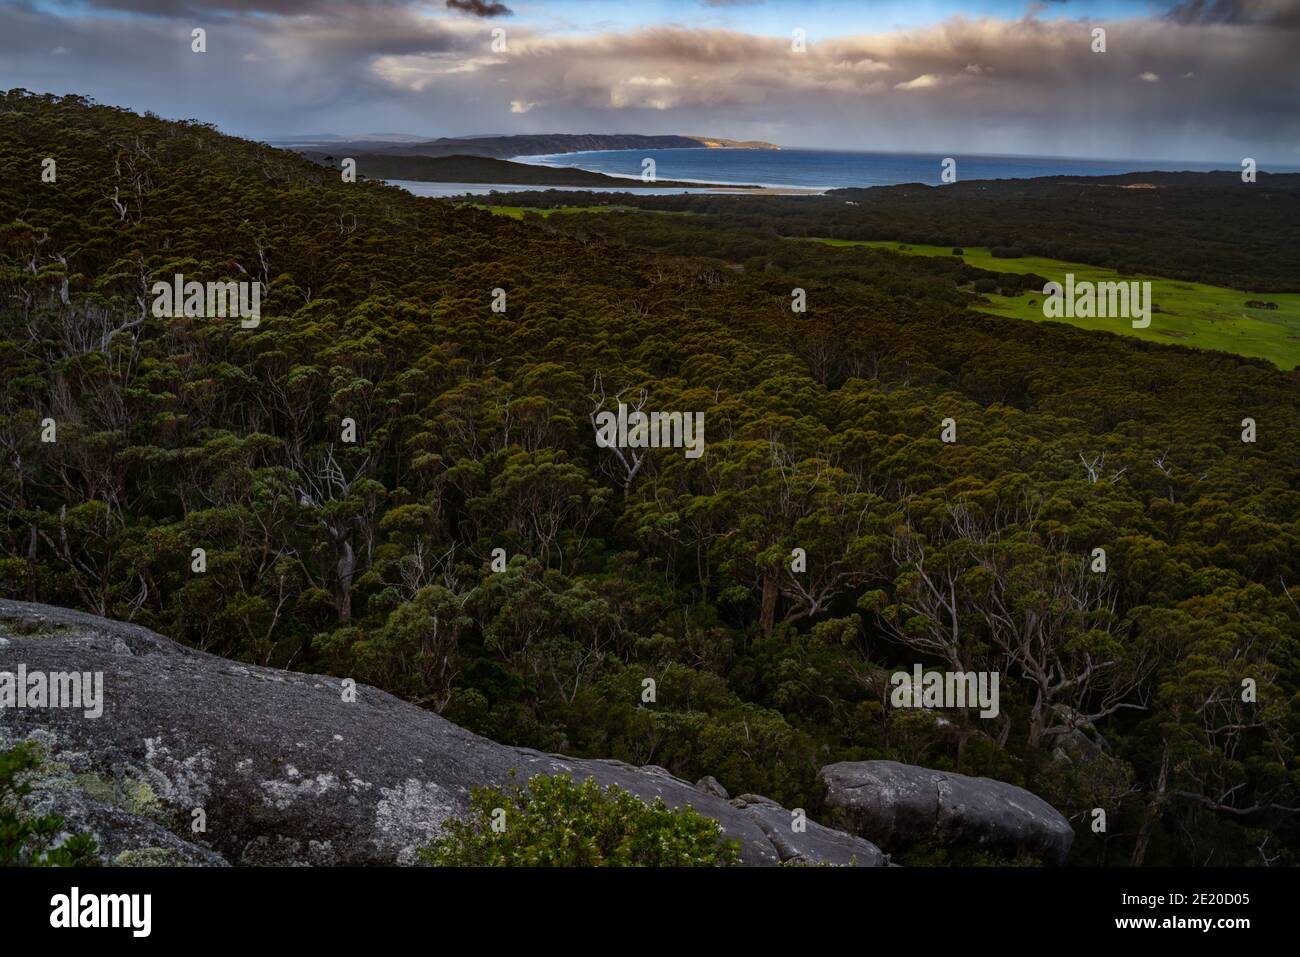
<point x="529" y="144"/>
<point x="484" y="159"/>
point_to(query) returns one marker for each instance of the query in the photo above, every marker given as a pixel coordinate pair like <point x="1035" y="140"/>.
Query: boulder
<point x="814" y="844"/>
<point x="287" y="768"/>
<point x="896" y="805"/>
<point x="711" y="785"/>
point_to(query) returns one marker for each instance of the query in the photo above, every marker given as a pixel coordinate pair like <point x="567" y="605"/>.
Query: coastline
<point x="706" y="186"/>
<point x="451" y="190"/>
<point x="822" y="171"/>
<point x="807" y="179"/>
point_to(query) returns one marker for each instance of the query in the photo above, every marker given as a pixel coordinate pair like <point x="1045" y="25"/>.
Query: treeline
<point x="760" y="250"/>
<point x="374" y="558"/>
<point x="1201" y="227"/>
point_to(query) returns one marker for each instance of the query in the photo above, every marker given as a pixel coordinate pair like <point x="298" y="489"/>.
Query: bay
<point x="834" y="169"/>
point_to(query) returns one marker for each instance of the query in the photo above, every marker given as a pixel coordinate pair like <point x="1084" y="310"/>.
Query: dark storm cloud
<point x="480" y="9"/>
<point x="1282" y="13"/>
<point x="261" y="75"/>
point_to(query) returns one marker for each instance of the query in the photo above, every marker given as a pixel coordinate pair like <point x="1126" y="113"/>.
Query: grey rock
<point x="815" y="844"/>
<point x="711" y="785"/>
<point x="286" y="770"/>
<point x="123" y="837"/>
<point x="1076" y="739"/>
<point x="896" y="805"/>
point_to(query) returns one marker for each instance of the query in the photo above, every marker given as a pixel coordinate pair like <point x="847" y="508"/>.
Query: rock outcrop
<point x="282" y="768"/>
<point x="808" y="842"/>
<point x="896" y="805"/>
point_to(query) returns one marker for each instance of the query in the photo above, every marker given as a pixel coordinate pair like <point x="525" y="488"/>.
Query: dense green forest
<point x="1004" y="280"/>
<point x="473" y="431"/>
<point x="1203" y="227"/>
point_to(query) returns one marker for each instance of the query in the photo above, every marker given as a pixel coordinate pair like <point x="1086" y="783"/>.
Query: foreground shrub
<point x="553" y="822"/>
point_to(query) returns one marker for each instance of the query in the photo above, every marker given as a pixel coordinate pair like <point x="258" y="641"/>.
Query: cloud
<point x="480" y="9"/>
<point x="224" y="9"/>
<point x="922" y="82"/>
<point x="986" y="84"/>
<point x="644" y="92"/>
<point x="1148" y="77"/>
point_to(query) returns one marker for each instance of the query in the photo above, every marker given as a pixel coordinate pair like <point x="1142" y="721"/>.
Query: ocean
<point x="833" y="169"/>
<point x="814" y="170"/>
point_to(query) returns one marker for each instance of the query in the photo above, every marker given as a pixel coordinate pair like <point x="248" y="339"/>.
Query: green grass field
<point x="1193" y="314"/>
<point x="517" y="212"/>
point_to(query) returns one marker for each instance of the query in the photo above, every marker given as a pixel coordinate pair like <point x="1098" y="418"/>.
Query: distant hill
<point x="719" y="143"/>
<point x="532" y="144"/>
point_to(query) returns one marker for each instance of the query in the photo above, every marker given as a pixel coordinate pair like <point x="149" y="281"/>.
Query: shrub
<point x="553" y="822"/>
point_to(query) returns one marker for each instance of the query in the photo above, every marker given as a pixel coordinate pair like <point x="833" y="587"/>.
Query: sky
<point x="1200" y="80"/>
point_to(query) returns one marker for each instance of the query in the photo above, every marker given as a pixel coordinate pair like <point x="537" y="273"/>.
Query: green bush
<point x="26" y="840"/>
<point x="553" y="822"/>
